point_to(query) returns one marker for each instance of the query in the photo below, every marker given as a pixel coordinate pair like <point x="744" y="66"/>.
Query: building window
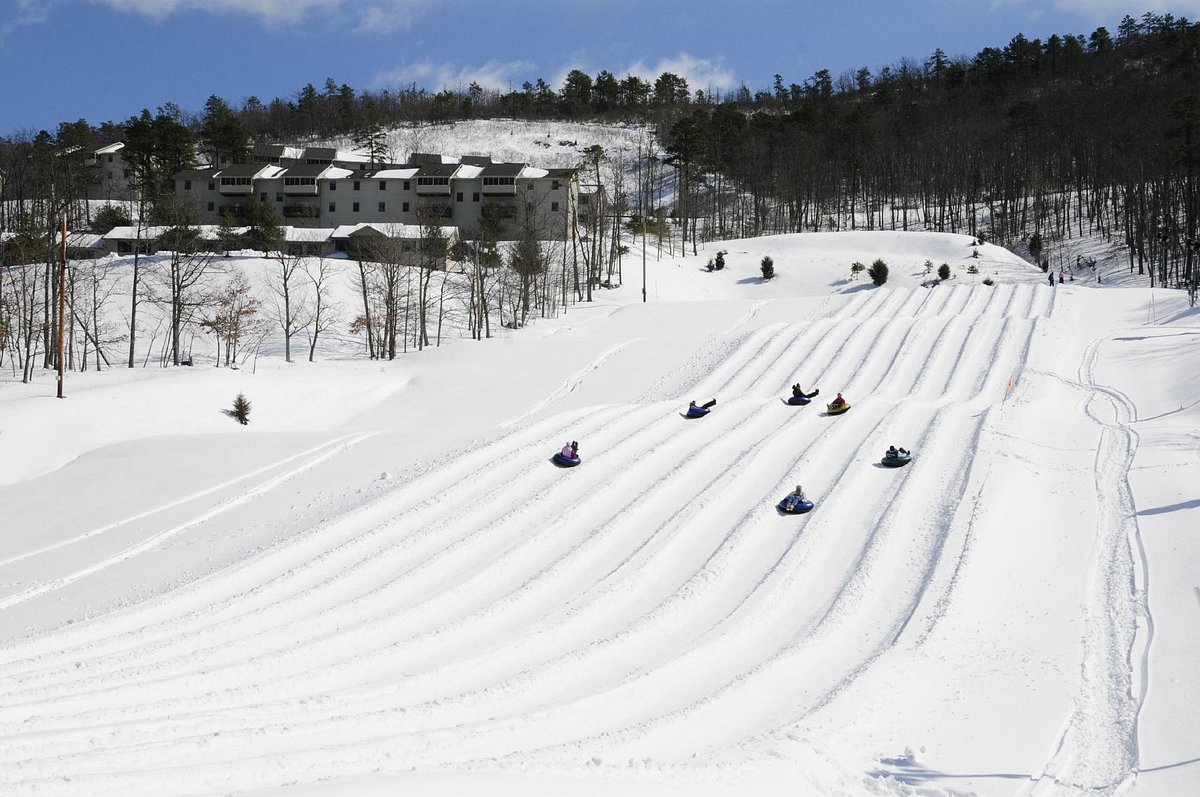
<point x="404" y="207"/>
<point x="333" y="185"/>
<point x="406" y="185"/>
<point x="475" y="197"/>
<point x="187" y="185"/>
<point x="382" y="207"/>
<point x="210" y="207"/>
<point x="383" y="185"/>
<point x="278" y="196"/>
<point x="110" y="159"/>
<point x="355" y="207"/>
<point x="212" y="186"/>
<point x="299" y="181"/>
<point x="459" y="197"/>
<point x="356" y="185"/>
<point x="332" y="207"/>
<point x="554" y="185"/>
<point x="553" y="207"/>
<point x="263" y="196"/>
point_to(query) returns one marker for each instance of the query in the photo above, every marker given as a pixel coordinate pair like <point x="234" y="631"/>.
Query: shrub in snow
<point x="944" y="271"/>
<point x="988" y="281"/>
<point x="972" y="269"/>
<point x="241" y="409"/>
<point x="878" y="272"/>
<point x="856" y="268"/>
<point x="720" y="261"/>
<point x="768" y="268"/>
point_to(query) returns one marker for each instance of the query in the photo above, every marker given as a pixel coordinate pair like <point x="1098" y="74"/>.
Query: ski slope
<point x="414" y="599"/>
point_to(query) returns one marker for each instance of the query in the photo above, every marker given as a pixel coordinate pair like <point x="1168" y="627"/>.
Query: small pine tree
<point x="878" y="272"/>
<point x="988" y="281"/>
<point x="856" y="268"/>
<point x="944" y="271"/>
<point x="241" y="409"/>
<point x="768" y="268"/>
<point x="972" y="269"/>
<point x="928" y="267"/>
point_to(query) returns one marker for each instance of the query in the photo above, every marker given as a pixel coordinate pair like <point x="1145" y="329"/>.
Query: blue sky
<point x="107" y="59"/>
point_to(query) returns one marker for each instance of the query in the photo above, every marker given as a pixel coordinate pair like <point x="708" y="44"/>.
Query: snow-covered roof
<point x="307" y="234"/>
<point x="395" y="174"/>
<point x="533" y="171"/>
<point x="388" y="229"/>
<point x="337" y="173"/>
<point x="85" y="240"/>
<point x="111" y="148"/>
<point x="259" y="170"/>
<point x="131" y="233"/>
<point x="469" y="171"/>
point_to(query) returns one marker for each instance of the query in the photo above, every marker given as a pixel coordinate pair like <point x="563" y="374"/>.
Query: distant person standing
<point x="1051" y="275"/>
<point x="1061" y="277"/>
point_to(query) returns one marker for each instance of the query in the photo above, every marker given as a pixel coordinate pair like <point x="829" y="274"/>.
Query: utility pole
<point x="62" y="308"/>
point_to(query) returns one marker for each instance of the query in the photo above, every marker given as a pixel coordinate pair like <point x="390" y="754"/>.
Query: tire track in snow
<point x="1097" y="750"/>
<point x="570" y="384"/>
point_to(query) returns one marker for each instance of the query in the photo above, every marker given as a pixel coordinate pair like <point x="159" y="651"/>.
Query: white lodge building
<point x="320" y="188"/>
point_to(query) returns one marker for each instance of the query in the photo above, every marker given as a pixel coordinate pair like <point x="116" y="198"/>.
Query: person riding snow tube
<point x="837" y="409"/>
<point x="896" y="457"/>
<point x="569" y="456"/>
<point x="695" y="410"/>
<point x="795" y="503"/>
<point x="799" y="401"/>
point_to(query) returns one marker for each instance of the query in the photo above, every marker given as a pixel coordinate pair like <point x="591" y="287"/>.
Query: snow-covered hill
<point x="383" y="584"/>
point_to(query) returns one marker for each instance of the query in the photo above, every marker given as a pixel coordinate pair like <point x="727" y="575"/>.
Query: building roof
<point x="387" y="230"/>
<point x="85" y="240"/>
<point x="250" y="170"/>
<point x="503" y="170"/>
<point x="195" y="174"/>
<point x="405" y="173"/>
<point x="308" y="170"/>
<point x="131" y="233"/>
<point x="307" y="234"/>
<point x="108" y="149"/>
<point x="320" y="153"/>
<point x="424" y="159"/>
<point x="438" y="170"/>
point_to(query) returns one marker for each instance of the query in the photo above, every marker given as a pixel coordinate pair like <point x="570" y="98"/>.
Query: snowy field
<point x="383" y="586"/>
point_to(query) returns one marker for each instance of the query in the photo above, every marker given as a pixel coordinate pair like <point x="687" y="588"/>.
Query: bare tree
<point x="324" y="312"/>
<point x="182" y="280"/>
<point x="292" y="311"/>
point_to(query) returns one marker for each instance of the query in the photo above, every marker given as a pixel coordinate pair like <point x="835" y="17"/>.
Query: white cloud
<point x="1112" y="9"/>
<point x="27" y="12"/>
<point x="379" y="16"/>
<point x="700" y="73"/>
<point x="1101" y="10"/>
<point x="493" y="76"/>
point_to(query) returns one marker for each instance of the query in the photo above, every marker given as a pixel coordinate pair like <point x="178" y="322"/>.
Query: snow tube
<point x="897" y="461"/>
<point x="566" y="462"/>
<point x="696" y="412"/>
<point x="799" y="401"/>
<point x="798" y="508"/>
<point x="832" y="410"/>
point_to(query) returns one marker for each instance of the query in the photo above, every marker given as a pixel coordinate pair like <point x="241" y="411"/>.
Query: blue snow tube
<point x="898" y="461"/>
<point x="787" y="506"/>
<point x="696" y="412"/>
<point x="566" y="462"/>
<point x="799" y="401"/>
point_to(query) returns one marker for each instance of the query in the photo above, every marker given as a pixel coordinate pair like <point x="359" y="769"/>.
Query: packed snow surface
<point x="382" y="585"/>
